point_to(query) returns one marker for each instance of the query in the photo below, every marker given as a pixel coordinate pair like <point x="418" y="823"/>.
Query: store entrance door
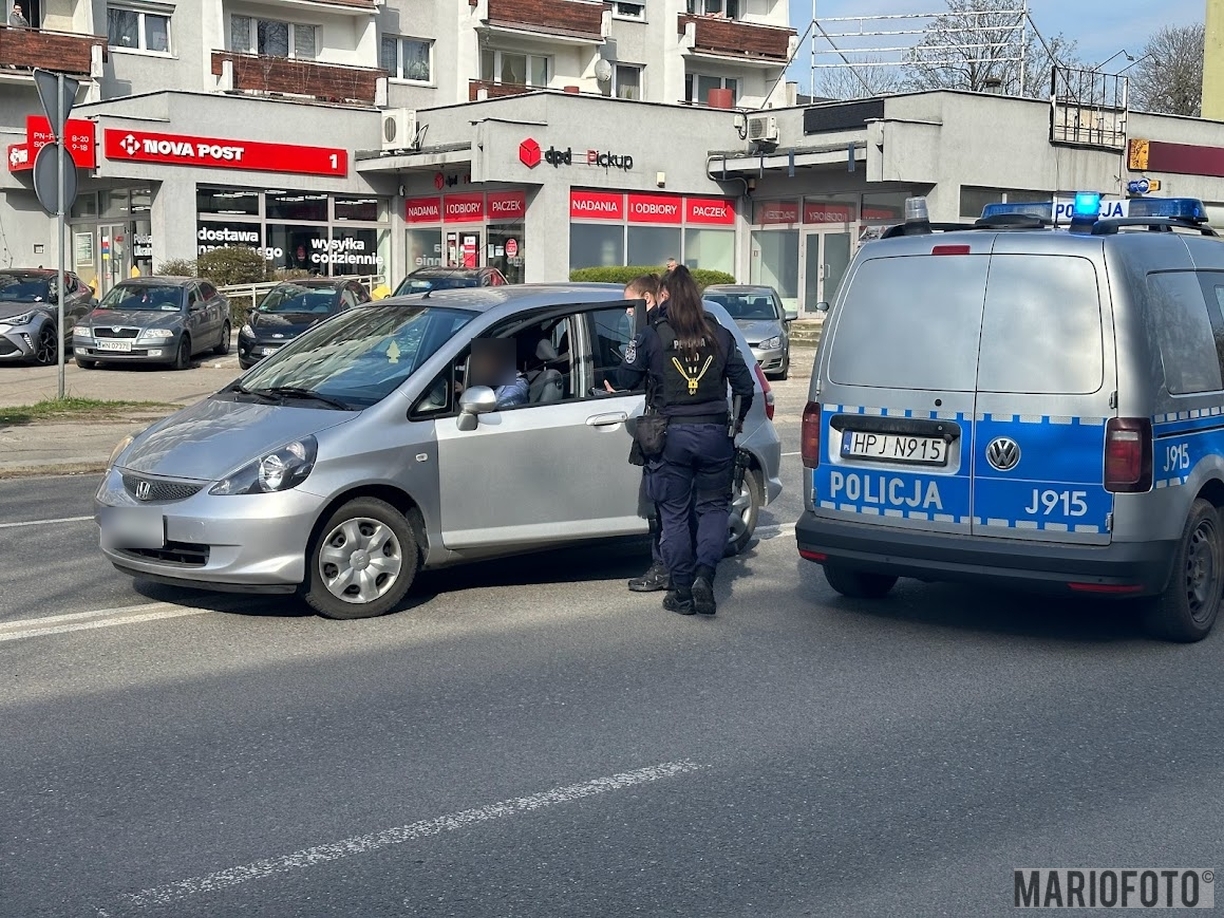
<point x="112" y="252"/>
<point x="826" y="256"/>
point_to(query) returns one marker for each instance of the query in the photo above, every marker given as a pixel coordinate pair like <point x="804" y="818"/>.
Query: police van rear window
<point x="911" y="322"/>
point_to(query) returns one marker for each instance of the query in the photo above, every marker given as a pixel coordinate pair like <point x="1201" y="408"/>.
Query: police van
<point x="1026" y="405"/>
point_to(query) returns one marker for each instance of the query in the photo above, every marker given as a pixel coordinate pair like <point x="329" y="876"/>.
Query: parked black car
<point x="29" y="313"/>
<point x="289" y="309"/>
<point x="423" y="279"/>
<point x="154" y="320"/>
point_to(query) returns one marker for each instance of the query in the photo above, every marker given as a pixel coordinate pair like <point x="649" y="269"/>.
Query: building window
<point x="407" y="58"/>
<point x="697" y="87"/>
<point x="622" y="9"/>
<point x="728" y="8"/>
<point x="514" y="69"/>
<point x="137" y="30"/>
<point x="628" y="83"/>
<point x="974" y="198"/>
<point x="271" y="38"/>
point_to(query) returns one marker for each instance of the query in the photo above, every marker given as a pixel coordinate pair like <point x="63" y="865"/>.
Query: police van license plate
<point x="132" y="527"/>
<point x="887" y="447"/>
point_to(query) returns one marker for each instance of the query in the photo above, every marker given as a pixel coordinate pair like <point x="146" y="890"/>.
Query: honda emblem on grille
<point x="1003" y="453"/>
<point x="143" y="489"/>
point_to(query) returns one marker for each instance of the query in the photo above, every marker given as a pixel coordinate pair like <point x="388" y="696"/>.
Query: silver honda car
<point x="367" y="450"/>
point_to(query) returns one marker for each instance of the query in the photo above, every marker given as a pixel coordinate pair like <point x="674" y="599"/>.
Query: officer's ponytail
<point x="685" y="314"/>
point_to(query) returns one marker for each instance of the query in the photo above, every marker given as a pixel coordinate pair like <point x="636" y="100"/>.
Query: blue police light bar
<point x="1189" y="209"/>
<point x="1043" y="210"/>
<point x="1087" y="206"/>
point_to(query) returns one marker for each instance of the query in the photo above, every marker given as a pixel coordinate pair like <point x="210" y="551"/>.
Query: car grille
<point x="106" y="331"/>
<point x="160" y="490"/>
<point x="185" y="554"/>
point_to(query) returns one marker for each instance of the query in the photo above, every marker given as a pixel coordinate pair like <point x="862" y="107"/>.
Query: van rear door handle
<point x="607" y="420"/>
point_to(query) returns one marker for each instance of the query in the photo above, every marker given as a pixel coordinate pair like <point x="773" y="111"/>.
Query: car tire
<point x="223" y="346"/>
<point x="85" y="364"/>
<point x="858" y="584"/>
<point x="182" y="357"/>
<point x="745" y="510"/>
<point x="1188" y="608"/>
<point x="334" y="585"/>
<point x="46" y="346"/>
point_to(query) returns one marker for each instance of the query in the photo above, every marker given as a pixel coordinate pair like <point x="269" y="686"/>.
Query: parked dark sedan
<point x="289" y="309"/>
<point x="29" y="313"/>
<point x="154" y="320"/>
<point x="423" y="279"/>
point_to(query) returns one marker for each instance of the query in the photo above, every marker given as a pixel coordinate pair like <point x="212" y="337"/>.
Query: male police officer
<point x="689" y="360"/>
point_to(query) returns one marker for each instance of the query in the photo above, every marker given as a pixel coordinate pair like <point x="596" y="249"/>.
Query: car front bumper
<point x="771" y="360"/>
<point x="1134" y="568"/>
<point x="254" y="542"/>
<point x="141" y="350"/>
<point x="251" y="350"/>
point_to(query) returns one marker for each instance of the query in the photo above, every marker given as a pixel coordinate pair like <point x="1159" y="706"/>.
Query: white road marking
<point x="87" y="621"/>
<point x="364" y="844"/>
<point x="62" y="519"/>
<point x="792" y="454"/>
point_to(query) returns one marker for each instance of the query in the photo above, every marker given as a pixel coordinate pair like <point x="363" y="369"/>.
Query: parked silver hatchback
<point x="365" y="451"/>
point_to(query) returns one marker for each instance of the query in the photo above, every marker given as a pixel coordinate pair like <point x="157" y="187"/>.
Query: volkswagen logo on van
<point x="1003" y="454"/>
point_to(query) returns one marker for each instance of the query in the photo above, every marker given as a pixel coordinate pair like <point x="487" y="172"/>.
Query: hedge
<point x="622" y="276"/>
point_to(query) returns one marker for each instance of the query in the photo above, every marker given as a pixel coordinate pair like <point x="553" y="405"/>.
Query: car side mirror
<point x="822" y="307"/>
<point x="475" y="401"/>
<point x="790" y="315"/>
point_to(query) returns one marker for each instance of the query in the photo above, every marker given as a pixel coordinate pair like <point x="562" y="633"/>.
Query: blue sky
<point x="1100" y="27"/>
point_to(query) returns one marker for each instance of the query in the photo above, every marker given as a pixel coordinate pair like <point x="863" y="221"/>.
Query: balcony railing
<point x="254" y="73"/>
<point x="736" y="38"/>
<point x="487" y="89"/>
<point x="570" y="18"/>
<point x="70" y="52"/>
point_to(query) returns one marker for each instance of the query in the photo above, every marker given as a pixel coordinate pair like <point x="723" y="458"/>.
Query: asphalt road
<point x="528" y="738"/>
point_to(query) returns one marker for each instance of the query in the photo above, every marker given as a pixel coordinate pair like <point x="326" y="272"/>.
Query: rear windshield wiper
<point x="302" y="393"/>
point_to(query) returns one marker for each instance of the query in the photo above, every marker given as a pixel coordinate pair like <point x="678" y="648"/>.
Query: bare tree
<point x="868" y="76"/>
<point x="978" y="45"/>
<point x="1169" y="76"/>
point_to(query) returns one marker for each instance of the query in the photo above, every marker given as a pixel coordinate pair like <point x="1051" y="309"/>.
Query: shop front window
<point x="358" y="251"/>
<point x="507" y="250"/>
<point x="361" y="208"/>
<point x="227" y="202"/>
<point x="85" y="207"/>
<point x="115" y="205"/>
<point x="424" y="249"/>
<point x="298" y="248"/>
<point x="653" y="245"/>
<point x="297" y="205"/>
<point x="212" y="235"/>
<point x="885" y="207"/>
<point x="597" y="245"/>
<point x="710" y="249"/>
<point x="774" y="261"/>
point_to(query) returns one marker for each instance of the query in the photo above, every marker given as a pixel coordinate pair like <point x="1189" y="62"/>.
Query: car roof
<point x="159" y="280"/>
<point x="511" y="297"/>
<point x="739" y="288"/>
<point x="449" y="272"/>
<point x="31" y="272"/>
<point x="314" y="282"/>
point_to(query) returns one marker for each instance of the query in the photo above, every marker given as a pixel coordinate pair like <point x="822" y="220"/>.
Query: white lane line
<point x="62" y="519"/>
<point x="88" y="621"/>
<point x="793" y="454"/>
<point x="364" y="844"/>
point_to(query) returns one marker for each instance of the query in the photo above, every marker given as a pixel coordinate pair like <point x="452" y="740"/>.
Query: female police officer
<point x="688" y="360"/>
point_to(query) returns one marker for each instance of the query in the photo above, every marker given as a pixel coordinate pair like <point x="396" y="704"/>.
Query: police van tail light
<point x="810" y="436"/>
<point x="766" y="391"/>
<point x="1128" y="455"/>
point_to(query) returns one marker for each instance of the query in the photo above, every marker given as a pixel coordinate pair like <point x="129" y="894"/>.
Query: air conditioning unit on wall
<point x="763" y="128"/>
<point x="399" y="129"/>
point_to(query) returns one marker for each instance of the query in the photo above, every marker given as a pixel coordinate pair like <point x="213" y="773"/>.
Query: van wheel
<point x="858" y="584"/>
<point x="744" y="511"/>
<point x="1188" y="607"/>
<point x="363" y="561"/>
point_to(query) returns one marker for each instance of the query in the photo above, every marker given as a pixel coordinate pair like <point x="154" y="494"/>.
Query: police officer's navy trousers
<point x="693" y="478"/>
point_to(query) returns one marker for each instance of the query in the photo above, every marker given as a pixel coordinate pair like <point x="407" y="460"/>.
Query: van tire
<point x="1188" y="607"/>
<point x="360" y="517"/>
<point x="858" y="584"/>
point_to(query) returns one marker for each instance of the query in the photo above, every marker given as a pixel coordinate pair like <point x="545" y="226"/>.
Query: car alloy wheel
<point x="223" y="346"/>
<point x="744" y="510"/>
<point x="46" y="347"/>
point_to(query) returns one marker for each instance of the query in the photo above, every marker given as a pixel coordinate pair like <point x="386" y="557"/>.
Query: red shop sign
<point x="19" y="158"/>
<point x="718" y="211"/>
<point x="778" y="212"/>
<point x="655" y="208"/>
<point x="597" y="205"/>
<point x="463" y="208"/>
<point x="423" y="210"/>
<point x="79" y="138"/>
<point x="507" y="205"/>
<point x="826" y="212"/>
<point x="219" y="153"/>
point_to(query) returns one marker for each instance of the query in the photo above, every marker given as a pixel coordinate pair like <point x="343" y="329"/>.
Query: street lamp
<point x="1111" y="57"/>
<point x="1134" y="61"/>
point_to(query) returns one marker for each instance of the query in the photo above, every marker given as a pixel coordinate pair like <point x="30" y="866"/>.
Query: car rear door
<point x="1045" y="379"/>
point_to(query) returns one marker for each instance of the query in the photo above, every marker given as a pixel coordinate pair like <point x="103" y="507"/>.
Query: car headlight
<point x="157" y="333"/>
<point x="24" y="319"/>
<point x="246" y="331"/>
<point x="118" y="450"/>
<point x="278" y="470"/>
<point x="79" y="331"/>
<point x="772" y="344"/>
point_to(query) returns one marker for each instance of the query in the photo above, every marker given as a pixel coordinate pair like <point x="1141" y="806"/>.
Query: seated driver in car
<point x="492" y="365"/>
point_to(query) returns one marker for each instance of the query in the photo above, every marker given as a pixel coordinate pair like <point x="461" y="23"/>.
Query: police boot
<point x="703" y="591"/>
<point x="678" y="602"/>
<point x="653" y="580"/>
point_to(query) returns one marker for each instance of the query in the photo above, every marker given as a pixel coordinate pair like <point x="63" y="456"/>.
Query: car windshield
<point x="138" y="297"/>
<point x="420" y="284"/>
<point x="745" y="305"/>
<point x="295" y="299"/>
<point x="19" y="288"/>
<point x="362" y="355"/>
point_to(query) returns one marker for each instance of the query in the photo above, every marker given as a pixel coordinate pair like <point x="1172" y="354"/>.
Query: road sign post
<point x="57" y="192"/>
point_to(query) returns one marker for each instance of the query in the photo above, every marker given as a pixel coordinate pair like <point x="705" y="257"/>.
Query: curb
<point x="54" y="469"/>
